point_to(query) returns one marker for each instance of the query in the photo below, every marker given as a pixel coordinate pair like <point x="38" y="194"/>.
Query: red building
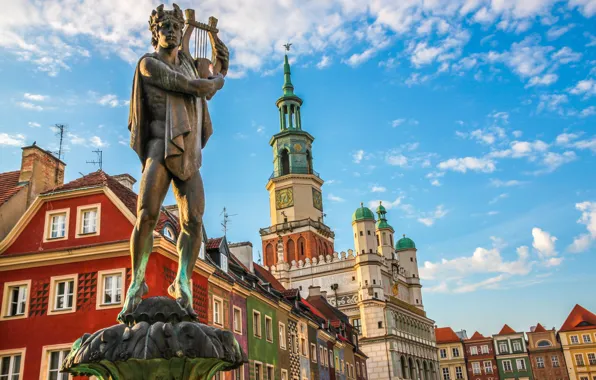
<point x="481" y="362"/>
<point x="65" y="268"/>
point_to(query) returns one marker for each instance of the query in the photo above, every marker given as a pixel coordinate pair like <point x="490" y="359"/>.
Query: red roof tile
<point x="446" y="335"/>
<point x="266" y="276"/>
<point x="579" y="319"/>
<point x="477" y="336"/>
<point x="9" y="185"/>
<point x="539" y="328"/>
<point x="313" y="309"/>
<point x="506" y="330"/>
<point x="213" y="243"/>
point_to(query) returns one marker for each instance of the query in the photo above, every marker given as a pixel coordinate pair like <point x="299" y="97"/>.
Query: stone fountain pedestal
<point x="159" y="341"/>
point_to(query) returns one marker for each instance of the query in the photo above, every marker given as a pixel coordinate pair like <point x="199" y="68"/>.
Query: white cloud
<point x="589" y="111"/>
<point x="428" y="219"/>
<point x="35" y="97"/>
<point x="543" y="243"/>
<point x="33" y="124"/>
<point x="378" y="189"/>
<point x="588" y="217"/>
<point x="97" y="142"/>
<point x="464" y="164"/>
<point x="324" y="62"/>
<point x="517" y="134"/>
<point x="586" y="87"/>
<point x="507" y="183"/>
<point x="17" y="140"/>
<point x="586" y="144"/>
<point x="30" y="106"/>
<point x="557" y="31"/>
<point x="387" y="204"/>
<point x="566" y="55"/>
<point x="397" y="122"/>
<point x="111" y="100"/>
<point x="565" y="138"/>
<point x="435" y="182"/>
<point x="498" y="198"/>
<point x="75" y="139"/>
<point x="334" y="198"/>
<point x="489" y="283"/>
<point x="552" y="102"/>
<point x="397" y="159"/>
<point x="358" y="156"/>
<point x="544" y="80"/>
<point x="553" y="160"/>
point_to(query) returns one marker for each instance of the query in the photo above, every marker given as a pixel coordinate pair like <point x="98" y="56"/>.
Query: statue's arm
<point x="160" y="75"/>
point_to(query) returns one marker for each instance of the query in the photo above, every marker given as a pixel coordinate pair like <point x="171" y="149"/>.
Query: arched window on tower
<point x="291" y="250"/>
<point x="308" y="162"/>
<point x="384" y="238"/>
<point x="301" y="247"/>
<point x="391" y="239"/>
<point x="285" y="162"/>
<point x="269" y="256"/>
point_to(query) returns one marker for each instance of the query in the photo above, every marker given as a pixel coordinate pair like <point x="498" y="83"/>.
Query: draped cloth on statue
<point x="187" y="118"/>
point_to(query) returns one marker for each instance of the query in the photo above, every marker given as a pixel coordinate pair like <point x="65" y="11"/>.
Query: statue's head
<point x="166" y="27"/>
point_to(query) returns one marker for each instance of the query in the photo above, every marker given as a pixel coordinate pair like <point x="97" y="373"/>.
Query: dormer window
<point x="88" y="220"/>
<point x="168" y="232"/>
<point x="224" y="263"/>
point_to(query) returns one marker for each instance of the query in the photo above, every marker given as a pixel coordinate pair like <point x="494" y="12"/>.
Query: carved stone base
<point x="159" y="341"/>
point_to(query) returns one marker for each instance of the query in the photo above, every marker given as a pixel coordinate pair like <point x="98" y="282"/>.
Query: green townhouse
<point x="512" y="356"/>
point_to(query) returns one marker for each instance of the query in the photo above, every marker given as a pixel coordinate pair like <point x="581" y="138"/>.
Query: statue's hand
<point x="223" y="55"/>
<point x="218" y="82"/>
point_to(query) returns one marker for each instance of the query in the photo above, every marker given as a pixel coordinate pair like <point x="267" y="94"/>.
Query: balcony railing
<point x="296" y="224"/>
<point x="279" y="173"/>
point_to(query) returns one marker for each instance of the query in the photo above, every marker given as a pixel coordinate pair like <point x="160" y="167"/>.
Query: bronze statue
<point x="169" y="125"/>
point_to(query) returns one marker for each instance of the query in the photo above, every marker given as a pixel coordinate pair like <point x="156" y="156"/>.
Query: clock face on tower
<point x="317" y="199"/>
<point x="284" y="198"/>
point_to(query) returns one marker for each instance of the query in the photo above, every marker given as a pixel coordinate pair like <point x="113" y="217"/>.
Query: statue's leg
<point x="190" y="197"/>
<point x="155" y="182"/>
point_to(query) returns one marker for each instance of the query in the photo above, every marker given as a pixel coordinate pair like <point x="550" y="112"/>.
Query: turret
<point x="363" y="225"/>
<point x="406" y="250"/>
<point x="384" y="234"/>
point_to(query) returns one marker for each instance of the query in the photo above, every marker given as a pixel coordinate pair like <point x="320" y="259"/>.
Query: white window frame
<point x="473" y="350"/>
<point x="13" y="353"/>
<point x="572" y="340"/>
<point x="47" y="230"/>
<point x="267" y="367"/>
<point x="506" y="350"/>
<point x="269" y="337"/>
<point x="583" y="362"/>
<point x="313" y="348"/>
<point x="54" y="281"/>
<point x="80" y="225"/>
<point x="256" y="315"/>
<point x="284" y="371"/>
<point x="591" y="358"/>
<point x="459" y="375"/>
<point x="239" y="320"/>
<point x="219" y="321"/>
<point x="484" y="349"/>
<point x="260" y="364"/>
<point x="7" y="299"/>
<point x="445" y="375"/>
<point x="455" y="350"/>
<point x="554" y="359"/>
<point x="523" y="366"/>
<point x="488" y="369"/>
<point x="443" y="353"/>
<point x="517" y="344"/>
<point x="223" y="259"/>
<point x="44" y="369"/>
<point x="282" y="335"/>
<point x="100" y="305"/>
<point x="510" y="366"/>
<point x="539" y="362"/>
<point x="588" y="340"/>
<point x="476" y="368"/>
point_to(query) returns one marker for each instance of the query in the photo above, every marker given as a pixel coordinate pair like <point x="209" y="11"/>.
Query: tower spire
<point x="289" y="104"/>
<point x="288" y="87"/>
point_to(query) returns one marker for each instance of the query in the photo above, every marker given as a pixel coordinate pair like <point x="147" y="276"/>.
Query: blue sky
<point x="473" y="121"/>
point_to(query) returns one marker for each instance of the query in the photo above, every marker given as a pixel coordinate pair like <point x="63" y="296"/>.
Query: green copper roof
<point x="382" y="221"/>
<point x="404" y="243"/>
<point x="363" y="213"/>
<point x="288" y="87"/>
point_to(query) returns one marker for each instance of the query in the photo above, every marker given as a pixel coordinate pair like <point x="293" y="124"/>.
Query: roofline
<point x="45" y="151"/>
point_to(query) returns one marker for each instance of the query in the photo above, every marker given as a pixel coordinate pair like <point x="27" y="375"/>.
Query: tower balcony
<point x="290" y="226"/>
<point x="298" y="170"/>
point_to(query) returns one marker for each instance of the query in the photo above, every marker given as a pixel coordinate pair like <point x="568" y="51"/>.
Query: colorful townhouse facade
<point x="512" y="355"/>
<point x="578" y="339"/>
<point x="546" y="354"/>
<point x="451" y="354"/>
<point x="481" y="363"/>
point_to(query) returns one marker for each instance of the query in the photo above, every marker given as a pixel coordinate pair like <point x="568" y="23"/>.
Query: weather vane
<point x="287" y="46"/>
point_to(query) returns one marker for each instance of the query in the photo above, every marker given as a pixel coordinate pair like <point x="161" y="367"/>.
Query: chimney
<point x="243" y="252"/>
<point x="41" y="170"/>
<point x="172" y="209"/>
<point x="324" y="294"/>
<point x="125" y="180"/>
<point x="314" y="291"/>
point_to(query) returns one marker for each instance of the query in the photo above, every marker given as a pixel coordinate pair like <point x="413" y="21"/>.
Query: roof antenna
<point x="226" y="220"/>
<point x="260" y="259"/>
<point x="60" y="129"/>
<point x="99" y="161"/>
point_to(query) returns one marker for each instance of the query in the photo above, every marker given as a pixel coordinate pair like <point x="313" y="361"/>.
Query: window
<point x="258" y="371"/>
<point x="284" y="374"/>
<point x="458" y="373"/>
<point x="88" y="220"/>
<point x="587" y="338"/>
<point x="555" y="360"/>
<point x="455" y="352"/>
<point x="361" y="233"/>
<point x="327" y="357"/>
<point x="539" y="362"/>
<point x="584" y="378"/>
<point x="357" y="324"/>
<point x="592" y="358"/>
<point x="544" y="343"/>
<point x="517" y="346"/>
<point x="443" y="353"/>
<point x="507" y="366"/>
<point x="313" y="352"/>
<point x="579" y="359"/>
<point x="270" y="373"/>
<point x="110" y="292"/>
<point x="56" y="227"/>
<point x="574" y="339"/>
<point x="322" y="355"/>
<point x="217" y="311"/>
<point x="476" y="368"/>
<point x="256" y="323"/>
<point x="63" y="294"/>
<point x="342" y="367"/>
<point x="337" y="363"/>
<point x="520" y="364"/>
<point x="445" y="373"/>
<point x="293" y="343"/>
<point x="10" y="367"/>
<point x="269" y="329"/>
<point x="488" y="367"/>
<point x="473" y="350"/>
<point x="282" y="335"/>
<point x="15" y="303"/>
<point x="503" y="349"/>
<point x="224" y="263"/>
<point x="303" y="349"/>
<point x="168" y="232"/>
<point x="55" y="359"/>
<point x="237" y="322"/>
<point x="484" y="348"/>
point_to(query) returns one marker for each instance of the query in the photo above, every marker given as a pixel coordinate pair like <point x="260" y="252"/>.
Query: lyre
<point x="202" y="37"/>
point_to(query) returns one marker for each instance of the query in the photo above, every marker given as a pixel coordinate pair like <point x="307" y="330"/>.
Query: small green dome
<point x="404" y="243"/>
<point x="381" y="208"/>
<point x="362" y="213"/>
<point x="382" y="223"/>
